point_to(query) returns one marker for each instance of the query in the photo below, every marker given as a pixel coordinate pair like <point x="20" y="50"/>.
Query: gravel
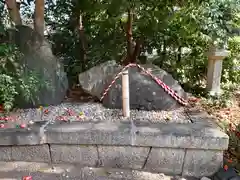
<point x="93" y="112"/>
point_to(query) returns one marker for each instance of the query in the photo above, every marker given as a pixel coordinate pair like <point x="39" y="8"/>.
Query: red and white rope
<point x="171" y="92"/>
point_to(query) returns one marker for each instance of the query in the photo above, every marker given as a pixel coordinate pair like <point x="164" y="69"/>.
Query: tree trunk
<point x="164" y="52"/>
<point x="39" y="16"/>
<point x="82" y="39"/>
<point x="74" y="17"/>
<point x="129" y="35"/>
<point x="179" y="54"/>
<point x="137" y="51"/>
<point x="130" y="45"/>
<point x="14" y="11"/>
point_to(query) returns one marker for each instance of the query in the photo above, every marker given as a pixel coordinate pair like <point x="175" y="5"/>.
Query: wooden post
<point x="215" y="58"/>
<point x="125" y="94"/>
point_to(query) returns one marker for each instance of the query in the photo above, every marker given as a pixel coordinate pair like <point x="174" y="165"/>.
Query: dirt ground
<point x="43" y="171"/>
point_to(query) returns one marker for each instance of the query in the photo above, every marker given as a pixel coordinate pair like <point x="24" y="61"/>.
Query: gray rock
<point x="93" y="81"/>
<point x="145" y="93"/>
<point x="230" y="174"/>
<point x="205" y="178"/>
<point x="38" y="57"/>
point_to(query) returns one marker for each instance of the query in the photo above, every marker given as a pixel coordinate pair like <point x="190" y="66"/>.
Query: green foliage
<point x="231" y="65"/>
<point x="222" y="101"/>
<point x="234" y="139"/>
<point x="163" y="25"/>
<point x="166" y="27"/>
<point x="7" y="91"/>
<point x="15" y="82"/>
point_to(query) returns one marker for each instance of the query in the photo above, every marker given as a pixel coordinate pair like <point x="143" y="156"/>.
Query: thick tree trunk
<point x="74" y="17"/>
<point x="76" y="25"/>
<point x="13" y="9"/>
<point x="39" y="16"/>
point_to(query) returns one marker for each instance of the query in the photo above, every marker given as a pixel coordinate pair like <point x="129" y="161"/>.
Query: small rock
<point x="161" y="175"/>
<point x="31" y="122"/>
<point x="181" y="178"/>
<point x="205" y="178"/>
<point x="53" y="169"/>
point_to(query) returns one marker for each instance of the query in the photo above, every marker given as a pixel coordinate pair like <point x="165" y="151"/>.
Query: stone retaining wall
<point x="186" y="162"/>
<point x="194" y="149"/>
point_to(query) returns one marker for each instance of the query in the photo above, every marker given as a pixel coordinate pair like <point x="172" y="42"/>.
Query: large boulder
<point x="145" y="93"/>
<point x="38" y="58"/>
<point x="94" y="81"/>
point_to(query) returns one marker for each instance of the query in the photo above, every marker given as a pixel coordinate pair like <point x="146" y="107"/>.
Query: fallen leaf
<point x="225" y="167"/>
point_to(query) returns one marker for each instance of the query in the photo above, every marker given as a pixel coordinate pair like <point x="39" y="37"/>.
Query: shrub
<point x="15" y="81"/>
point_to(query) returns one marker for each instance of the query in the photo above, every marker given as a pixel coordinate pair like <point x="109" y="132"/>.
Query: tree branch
<point x="82" y="39"/>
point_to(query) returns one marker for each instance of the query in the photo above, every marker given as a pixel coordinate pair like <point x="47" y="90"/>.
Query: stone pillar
<point x="215" y="58"/>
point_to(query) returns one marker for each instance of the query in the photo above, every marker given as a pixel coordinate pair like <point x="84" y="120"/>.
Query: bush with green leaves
<point x="231" y="65"/>
<point x="15" y="82"/>
<point x="8" y="91"/>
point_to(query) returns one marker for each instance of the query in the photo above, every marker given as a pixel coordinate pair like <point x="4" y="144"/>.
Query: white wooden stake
<point x="125" y="94"/>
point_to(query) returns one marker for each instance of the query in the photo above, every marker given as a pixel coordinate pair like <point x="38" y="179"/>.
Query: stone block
<point x="200" y="163"/>
<point x="5" y="153"/>
<point x="165" y="160"/>
<point x="123" y="157"/>
<point x="190" y="136"/>
<point x="37" y="153"/>
<point x="76" y="154"/>
<point x="89" y="133"/>
<point x="21" y="136"/>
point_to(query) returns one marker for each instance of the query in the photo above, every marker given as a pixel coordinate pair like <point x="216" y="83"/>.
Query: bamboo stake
<point x="125" y="94"/>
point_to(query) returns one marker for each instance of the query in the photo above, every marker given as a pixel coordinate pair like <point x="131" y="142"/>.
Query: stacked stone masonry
<point x="194" y="149"/>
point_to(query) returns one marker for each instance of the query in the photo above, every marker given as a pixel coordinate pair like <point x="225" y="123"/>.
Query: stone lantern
<point x="215" y="59"/>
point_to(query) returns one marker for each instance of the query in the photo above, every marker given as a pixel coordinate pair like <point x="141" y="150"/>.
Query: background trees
<point x="172" y="34"/>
